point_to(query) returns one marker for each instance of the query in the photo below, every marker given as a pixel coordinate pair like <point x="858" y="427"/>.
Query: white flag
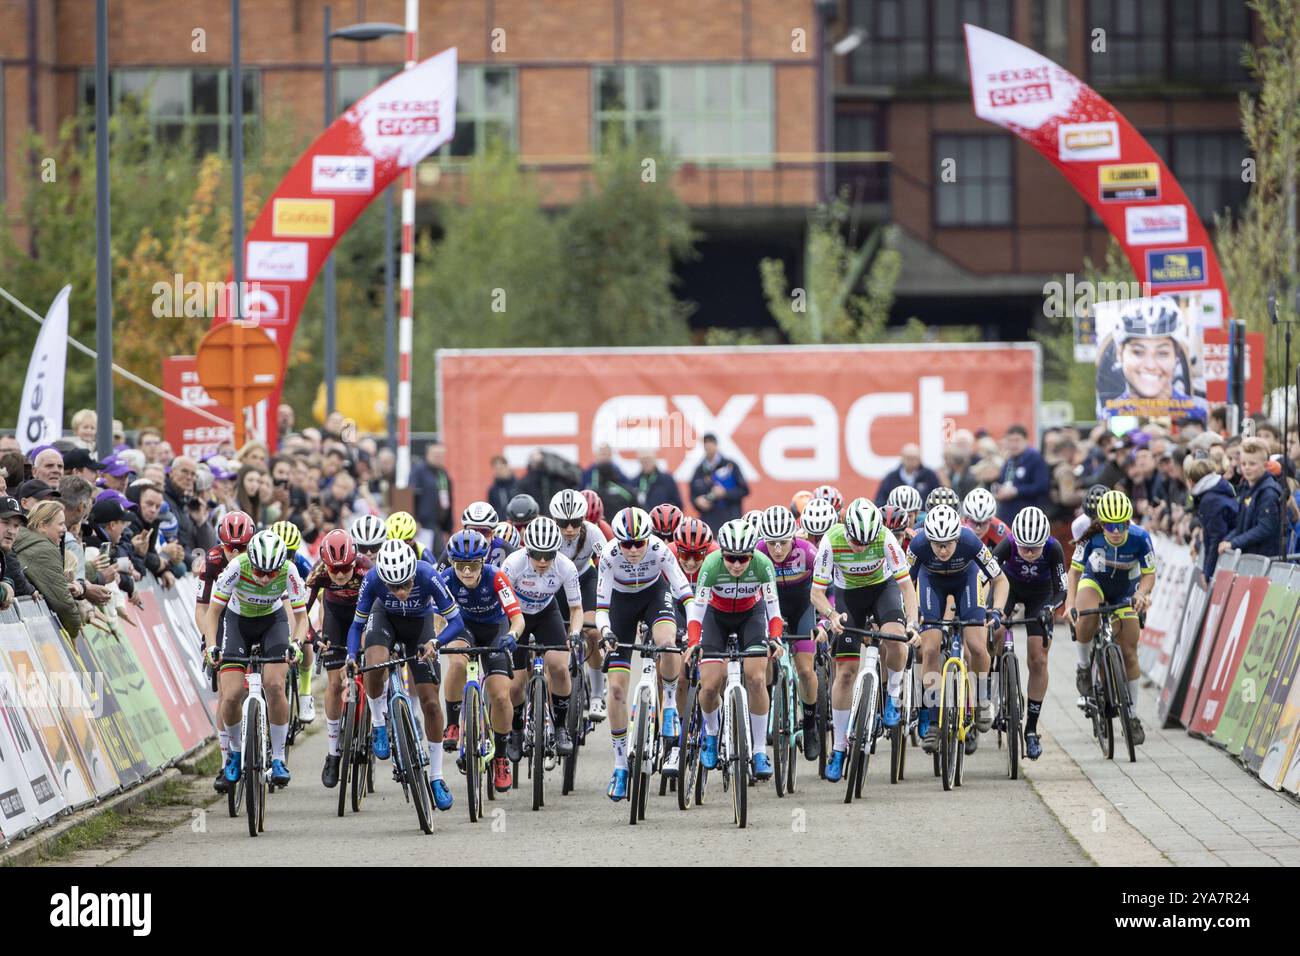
<point x="40" y="419"/>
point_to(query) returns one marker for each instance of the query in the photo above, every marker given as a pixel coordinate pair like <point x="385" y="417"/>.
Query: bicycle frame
<point x="954" y="672"/>
<point x="253" y="680"/>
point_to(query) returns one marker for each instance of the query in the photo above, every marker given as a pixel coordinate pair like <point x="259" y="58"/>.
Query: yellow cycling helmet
<point x="401" y="526"/>
<point x="288" y="532"/>
<point x="1114" y="508"/>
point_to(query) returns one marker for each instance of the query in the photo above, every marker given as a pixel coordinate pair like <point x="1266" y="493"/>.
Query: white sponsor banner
<point x="342" y="174"/>
<point x="276" y="260"/>
<point x="1085" y="142"/>
<point x="412" y="114"/>
<point x="1155" y="225"/>
<point x="1013" y="85"/>
<point x="40" y="417"/>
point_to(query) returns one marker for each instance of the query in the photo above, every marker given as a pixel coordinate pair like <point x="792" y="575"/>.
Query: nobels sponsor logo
<point x="75" y="909"/>
<point x="1128" y="182"/>
<point x="1148" y="225"/>
<point x="303" y="218"/>
<point x="342" y="174"/>
<point x="286" y="261"/>
<point x="1088" y="141"/>
<point x="408" y="118"/>
<point x="1175" y="266"/>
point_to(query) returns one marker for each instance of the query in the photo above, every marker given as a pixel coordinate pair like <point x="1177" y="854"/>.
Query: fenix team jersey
<point x="616" y="573"/>
<point x="490" y="601"/>
<point x="1044" y="575"/>
<point x="1110" y="564"/>
<point x="969" y="548"/>
<point x="236" y="589"/>
<point x="727" y="593"/>
<point x="533" y="590"/>
<point x="584" y="550"/>
<point x="428" y="595"/>
<point x="840" y="563"/>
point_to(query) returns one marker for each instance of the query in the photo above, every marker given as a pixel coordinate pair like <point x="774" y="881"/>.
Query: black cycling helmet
<point x="1091" y="498"/>
<point x="521" y="509"/>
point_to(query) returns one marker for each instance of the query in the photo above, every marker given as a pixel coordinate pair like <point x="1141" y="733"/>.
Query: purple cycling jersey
<point x="1044" y="575"/>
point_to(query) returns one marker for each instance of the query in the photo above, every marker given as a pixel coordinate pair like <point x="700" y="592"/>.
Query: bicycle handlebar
<point x="924" y="625"/>
<point x="1104" y="609"/>
<point x="479" y="651"/>
<point x="882" y="635"/>
<point x="391" y="662"/>
<point x="650" y="648"/>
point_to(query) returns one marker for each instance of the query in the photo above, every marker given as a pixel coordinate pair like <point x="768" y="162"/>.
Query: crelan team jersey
<point x="237" y="590"/>
<point x="727" y="593"/>
<point x="839" y="562"/>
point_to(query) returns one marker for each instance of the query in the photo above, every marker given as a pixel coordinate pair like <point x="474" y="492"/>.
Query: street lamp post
<point x="331" y="306"/>
<point x="103" y="245"/>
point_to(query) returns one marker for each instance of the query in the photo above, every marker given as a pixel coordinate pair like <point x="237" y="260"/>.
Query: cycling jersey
<point x="617" y="573"/>
<point x="584" y="550"/>
<point x="794" y="581"/>
<point x="1044" y="575"/>
<point x="535" y="591"/>
<point x="347" y="593"/>
<point x="720" y="590"/>
<point x="236" y="589"/>
<point x="1112" y="565"/>
<point x="301" y="563"/>
<point x="214" y="563"/>
<point x="490" y="601"/>
<point x="840" y="563"/>
<point x="692" y="576"/>
<point x="969" y="549"/>
<point x="997" y="532"/>
<point x="428" y="594"/>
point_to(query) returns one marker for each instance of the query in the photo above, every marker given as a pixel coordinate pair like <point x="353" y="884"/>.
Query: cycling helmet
<point x="631" y="524"/>
<point x="236" y="529"/>
<point x="894" y="518"/>
<point x="818" y="516"/>
<point x="522" y="509"/>
<point x="693" y="536"/>
<point x="942" y="495"/>
<point x="569" y="505"/>
<point x="665" y="519"/>
<point x="289" y="534"/>
<point x="395" y="563"/>
<point x="479" y="514"/>
<point x="337" y="550"/>
<point x="778" y="523"/>
<point x="266" y="552"/>
<point x="369" y="531"/>
<point x="1148" y="319"/>
<point x="1114" y="508"/>
<point x="862" y="520"/>
<point x="467" y="546"/>
<point x="831" y="494"/>
<point x="737" y="536"/>
<point x="1091" y="499"/>
<point x="942" y="523"/>
<point x="980" y="505"/>
<point x="542" y="534"/>
<point x="907" y="498"/>
<point x="753" y="518"/>
<point x="1030" y="528"/>
<point x="507" y="533"/>
<point x="800" y="501"/>
<point x="595" y="507"/>
<point x="401" y="526"/>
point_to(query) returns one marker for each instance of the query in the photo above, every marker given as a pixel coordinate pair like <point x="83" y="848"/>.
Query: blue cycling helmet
<point x="467" y="546"/>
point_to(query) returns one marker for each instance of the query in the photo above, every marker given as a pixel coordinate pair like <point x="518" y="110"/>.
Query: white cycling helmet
<point x="267" y="552"/>
<point x="980" y="505"/>
<point x="907" y="498"/>
<point x="737" y="536"/>
<point x="542" y="534"/>
<point x="369" y="531"/>
<point x="862" y="520"/>
<point x="507" y="533"/>
<point x="395" y="563"/>
<point x="778" y="523"/>
<point x="479" y="514"/>
<point x="818" y="516"/>
<point x="568" y="505"/>
<point x="942" y="523"/>
<point x="754" y="519"/>
<point x="1031" y="528"/>
<point x="631" y="524"/>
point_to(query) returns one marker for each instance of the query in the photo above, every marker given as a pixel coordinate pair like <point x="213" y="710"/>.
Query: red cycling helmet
<point x="895" y="519"/>
<point x="236" y="530"/>
<point x="337" y="550"/>
<point x="666" y="519"/>
<point x="831" y="494"/>
<point x="595" y="507"/>
<point x="693" y="536"/>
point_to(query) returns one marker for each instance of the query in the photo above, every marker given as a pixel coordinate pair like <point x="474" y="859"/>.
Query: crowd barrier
<point x="1226" y="657"/>
<point x="82" y="720"/>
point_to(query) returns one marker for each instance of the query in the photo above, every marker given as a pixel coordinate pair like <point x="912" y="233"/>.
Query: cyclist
<point x="727" y="601"/>
<point x="1034" y="565"/>
<point x="798" y="500"/>
<point x="398" y="599"/>
<point x="947" y="561"/>
<point x="596" y="513"/>
<point x="665" y="520"/>
<point x="1116" y="564"/>
<point x="943" y="495"/>
<point x="638" y="580"/>
<point x="817" y="518"/>
<point x="792" y="561"/>
<point x="520" y="510"/>
<point x="257" y="598"/>
<point x="537" y="574"/>
<point x="692" y="543"/>
<point x="861" y="557"/>
<point x="831" y="494"/>
<point x="234" y="532"/>
<point x="898" y="521"/>
<point x="909" y="500"/>
<point x="492" y="618"/>
<point x="402" y="527"/>
<point x="482" y="517"/>
<point x="368" y="532"/>
<point x="292" y="538"/>
<point x="754" y="519"/>
<point x="980" y="511"/>
<point x="338" y="576"/>
<point x="581" y="544"/>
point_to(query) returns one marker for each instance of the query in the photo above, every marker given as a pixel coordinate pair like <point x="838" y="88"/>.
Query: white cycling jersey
<point x="615" y="573"/>
<point x="535" y="590"/>
<point x="591" y="541"/>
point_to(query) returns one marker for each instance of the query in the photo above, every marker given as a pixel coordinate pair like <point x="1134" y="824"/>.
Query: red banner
<point x="1216" y="368"/>
<point x="791" y="417"/>
<point x="185" y="711"/>
<point x="1226" y="650"/>
<point x="187" y="432"/>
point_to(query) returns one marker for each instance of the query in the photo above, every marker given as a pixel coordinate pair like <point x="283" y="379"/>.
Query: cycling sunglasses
<point x="368" y="548"/>
<point x="541" y="555"/>
<point x="736" y="558"/>
<point x="631" y="545"/>
<point x="1114" y="528"/>
<point x="467" y="566"/>
<point x="573" y="523"/>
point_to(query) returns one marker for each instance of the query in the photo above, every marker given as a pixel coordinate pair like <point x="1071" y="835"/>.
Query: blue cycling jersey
<point x="428" y="594"/>
<point x="303" y="564"/>
<point x="969" y="548"/>
<point x="1109" y="564"/>
<point x="487" y="602"/>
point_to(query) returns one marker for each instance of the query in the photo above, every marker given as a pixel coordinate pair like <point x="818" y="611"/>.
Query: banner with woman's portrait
<point x="1150" y="360"/>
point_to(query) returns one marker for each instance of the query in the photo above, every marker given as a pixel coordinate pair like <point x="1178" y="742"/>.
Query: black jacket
<point x="1259" y="519"/>
<point x="11" y="569"/>
<point x="726" y="473"/>
<point x="924" y="481"/>
<point x="656" y="489"/>
<point x="501" y="491"/>
<point x="1216" y="512"/>
<point x="180" y="503"/>
<point x="95" y="536"/>
<point x="428" y="482"/>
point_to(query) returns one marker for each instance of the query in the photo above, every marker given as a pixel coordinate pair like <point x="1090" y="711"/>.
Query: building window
<point x="980" y="191"/>
<point x="1051" y="29"/>
<point x="1162" y="41"/>
<point x="918" y="40"/>
<point x="711" y="115"/>
<point x="179" y="103"/>
<point x="861" y="133"/>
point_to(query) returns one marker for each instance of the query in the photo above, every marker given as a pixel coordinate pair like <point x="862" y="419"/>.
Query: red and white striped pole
<point x="405" y="326"/>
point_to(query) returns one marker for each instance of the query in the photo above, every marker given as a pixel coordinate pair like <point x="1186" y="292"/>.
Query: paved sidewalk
<point x="1189" y="799"/>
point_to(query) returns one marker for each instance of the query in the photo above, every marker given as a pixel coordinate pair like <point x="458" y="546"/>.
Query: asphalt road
<point x="989" y="820"/>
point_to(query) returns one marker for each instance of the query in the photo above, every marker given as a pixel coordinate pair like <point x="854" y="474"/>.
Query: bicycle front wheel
<point x="410" y="763"/>
<point x="1125" y="708"/>
<point x="254" y="757"/>
<point x="345" y="754"/>
<point x="823" y="718"/>
<point x="363" y="759"/>
<point x="295" y="720"/>
<point x="949" y="744"/>
<point x="636" y="760"/>
<point x="859" y="745"/>
<point x="738" y="756"/>
<point x="781" y="735"/>
<point x="471" y="734"/>
<point x="1011" y="696"/>
<point x="1101" y="701"/>
<point x="688" y="749"/>
<point x="574" y="722"/>
<point x="537" y="763"/>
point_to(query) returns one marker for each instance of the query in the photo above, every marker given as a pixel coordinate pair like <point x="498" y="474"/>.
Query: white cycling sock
<point x="1084" y="653"/>
<point x="711" y="721"/>
<point x="435" y="759"/>
<point x="232" y="733"/>
<point x="279" y="734"/>
<point x="894" y="684"/>
<point x="758" y="730"/>
<point x="378" y="710"/>
<point x="1133" y="692"/>
<point x="840" y="721"/>
<point x="223" y="737"/>
<point x="596" y="678"/>
<point x="332" y="728"/>
<point x="670" y="694"/>
<point x="620" y="749"/>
